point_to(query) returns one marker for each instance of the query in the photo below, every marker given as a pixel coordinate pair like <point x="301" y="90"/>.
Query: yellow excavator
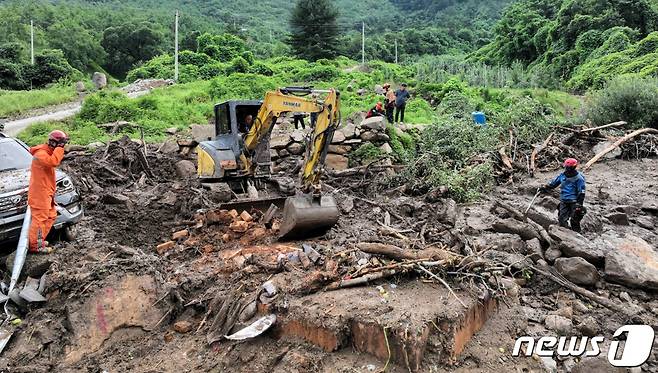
<point x="240" y="154"/>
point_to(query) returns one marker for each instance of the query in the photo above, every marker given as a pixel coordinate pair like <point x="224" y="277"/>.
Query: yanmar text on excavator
<point x="240" y="156"/>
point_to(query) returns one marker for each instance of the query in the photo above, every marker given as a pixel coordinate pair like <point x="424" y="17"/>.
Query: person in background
<point x="389" y="102"/>
<point x="298" y="118"/>
<point x="41" y="193"/>
<point x="572" y="195"/>
<point x="401" y="98"/>
<point x="376" y="111"/>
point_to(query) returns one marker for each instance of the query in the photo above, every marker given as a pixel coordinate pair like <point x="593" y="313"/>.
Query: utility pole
<point x="32" y="41"/>
<point x="176" y="49"/>
<point x="363" y="43"/>
<point x="396" y="51"/>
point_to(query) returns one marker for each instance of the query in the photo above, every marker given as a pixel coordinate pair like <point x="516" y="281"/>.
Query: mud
<point x="113" y="299"/>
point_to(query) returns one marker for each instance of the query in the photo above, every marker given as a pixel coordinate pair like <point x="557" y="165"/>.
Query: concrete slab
<point x="400" y="321"/>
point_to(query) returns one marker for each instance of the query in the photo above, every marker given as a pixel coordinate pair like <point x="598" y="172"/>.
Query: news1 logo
<point x="635" y="352"/>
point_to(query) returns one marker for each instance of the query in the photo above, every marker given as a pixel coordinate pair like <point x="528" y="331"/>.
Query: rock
<point x="339" y="138"/>
<point x="34" y="266"/>
<point x="346" y="204"/>
<point x="95" y="145"/>
<point x="169" y="198"/>
<point x="202" y="132"/>
<point x="298" y="135"/>
<point x="80" y="87"/>
<point x="379" y="89"/>
<point x="168" y="147"/>
<point x="577" y="270"/>
<point x="296" y="148"/>
<point x="632" y="262"/>
<point x="550" y="365"/>
<point x="524" y="230"/>
<point x="99" y="80"/>
<point x="274" y="155"/>
<point x="589" y="326"/>
<point x="283" y="153"/>
<point x="604" y="145"/>
<point x="579" y="306"/>
<point x="374" y="136"/>
<point x="219" y="217"/>
<point x="357" y="117"/>
<point x="552" y="254"/>
<point x="566" y="312"/>
<point x="574" y="244"/>
<point x="650" y="207"/>
<point x="559" y="324"/>
<point x="596" y="364"/>
<point x="280" y="141"/>
<point x="645" y="222"/>
<point x="619" y="218"/>
<point x="499" y="241"/>
<point x="625" y="297"/>
<point x="183" y="327"/>
<point x="349" y="130"/>
<point x="386" y="148"/>
<point x="568" y="364"/>
<point x="115" y="199"/>
<point x="361" y="91"/>
<point x="337" y="162"/>
<point x="171" y="131"/>
<point x="340" y="149"/>
<point x="517" y="261"/>
<point x="374" y="123"/>
<point x="219" y="192"/>
<point x="185" y="169"/>
<point x="534" y="249"/>
<point x="180" y="234"/>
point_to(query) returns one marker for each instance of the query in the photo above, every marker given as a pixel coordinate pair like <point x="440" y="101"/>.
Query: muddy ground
<point x="116" y="303"/>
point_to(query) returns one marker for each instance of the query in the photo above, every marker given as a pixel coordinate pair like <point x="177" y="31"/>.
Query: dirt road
<point x="54" y="113"/>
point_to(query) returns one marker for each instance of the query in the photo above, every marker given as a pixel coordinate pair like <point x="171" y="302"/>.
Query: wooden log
<point x="617" y="144"/>
<point x="535" y="152"/>
<point x="361" y="280"/>
<point x="505" y="159"/>
<point x="400" y="254"/>
<point x="615" y="124"/>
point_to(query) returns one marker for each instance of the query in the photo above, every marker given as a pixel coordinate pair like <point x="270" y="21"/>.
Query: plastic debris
<point x="255" y="329"/>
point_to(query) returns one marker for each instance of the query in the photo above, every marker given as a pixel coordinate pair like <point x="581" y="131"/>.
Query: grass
<point x="18" y="102"/>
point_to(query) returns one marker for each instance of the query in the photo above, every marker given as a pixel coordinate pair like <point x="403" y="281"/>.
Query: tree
<point x="81" y="48"/>
<point x="131" y="44"/>
<point x="314" y="30"/>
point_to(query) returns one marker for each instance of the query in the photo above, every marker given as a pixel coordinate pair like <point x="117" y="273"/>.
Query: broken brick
<point x="239" y="226"/>
<point x="180" y="234"/>
<point x="219" y="217"/>
<point x="161" y="248"/>
<point x="304" y="259"/>
<point x="254" y="235"/>
<point x="226" y="237"/>
<point x="183" y="327"/>
<point x="234" y="214"/>
<point x="246" y="216"/>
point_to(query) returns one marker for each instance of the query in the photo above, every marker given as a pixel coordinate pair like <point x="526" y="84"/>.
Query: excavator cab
<point x="219" y="159"/>
<point x="240" y="152"/>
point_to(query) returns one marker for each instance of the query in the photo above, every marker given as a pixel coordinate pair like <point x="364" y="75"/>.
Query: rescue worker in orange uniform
<point x="41" y="195"/>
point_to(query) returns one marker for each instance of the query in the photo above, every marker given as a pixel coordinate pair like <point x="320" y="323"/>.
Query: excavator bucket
<point x="308" y="216"/>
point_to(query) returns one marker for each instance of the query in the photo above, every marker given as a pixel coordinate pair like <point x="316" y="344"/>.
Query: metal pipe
<point x="21" y="250"/>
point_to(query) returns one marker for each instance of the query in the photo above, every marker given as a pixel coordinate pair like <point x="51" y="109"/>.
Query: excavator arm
<point x="296" y="99"/>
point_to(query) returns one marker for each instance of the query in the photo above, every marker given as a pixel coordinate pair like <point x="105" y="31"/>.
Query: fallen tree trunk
<point x="615" y="124"/>
<point x="617" y="144"/>
<point x="400" y="254"/>
<point x="628" y="311"/>
<point x="535" y="152"/>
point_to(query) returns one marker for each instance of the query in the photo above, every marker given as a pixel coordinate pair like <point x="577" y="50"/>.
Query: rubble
<point x="578" y="270"/>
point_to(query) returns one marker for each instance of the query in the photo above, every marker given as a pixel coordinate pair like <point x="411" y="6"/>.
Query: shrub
<point x="213" y="70"/>
<point x="49" y="66"/>
<point x="105" y="107"/>
<point x="631" y="99"/>
<point x="193" y="58"/>
<point x="238" y="65"/>
<point x="403" y="145"/>
<point x="241" y="86"/>
<point x="11" y="76"/>
<point x="366" y="152"/>
<point x="261" y="68"/>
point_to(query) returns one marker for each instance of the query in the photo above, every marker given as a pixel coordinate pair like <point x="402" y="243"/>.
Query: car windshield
<point x="13" y="156"/>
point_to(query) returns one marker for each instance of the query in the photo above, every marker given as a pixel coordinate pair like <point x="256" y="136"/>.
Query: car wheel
<point x="69" y="233"/>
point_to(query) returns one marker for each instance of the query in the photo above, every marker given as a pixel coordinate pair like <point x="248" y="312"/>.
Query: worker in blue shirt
<point x="572" y="195"/>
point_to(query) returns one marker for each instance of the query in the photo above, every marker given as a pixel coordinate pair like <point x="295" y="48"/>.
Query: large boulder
<point x="336" y="162"/>
<point x="296" y="148"/>
<point x="349" y="130"/>
<point x="559" y="324"/>
<point x="374" y="123"/>
<point x="99" y="80"/>
<point x="632" y="262"/>
<point x="577" y="270"/>
<point x="338" y="138"/>
<point x="202" y="132"/>
<point x="185" y="169"/>
<point x="574" y="244"/>
<point x="280" y="141"/>
<point x="373" y="136"/>
<point x="340" y="149"/>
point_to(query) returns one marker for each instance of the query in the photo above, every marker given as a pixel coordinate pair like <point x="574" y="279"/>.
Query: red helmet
<point x="571" y="162"/>
<point x="379" y="105"/>
<point x="58" y="137"/>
